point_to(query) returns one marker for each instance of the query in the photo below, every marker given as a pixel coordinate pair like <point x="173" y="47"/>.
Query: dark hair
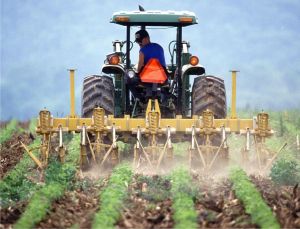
<point x="139" y="35"/>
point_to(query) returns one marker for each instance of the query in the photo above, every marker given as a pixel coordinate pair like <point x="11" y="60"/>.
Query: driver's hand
<point x="135" y="68"/>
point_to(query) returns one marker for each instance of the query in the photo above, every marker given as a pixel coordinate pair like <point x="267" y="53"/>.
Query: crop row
<point x="185" y="215"/>
<point x="58" y="178"/>
<point x="253" y="202"/>
<point x="112" y="197"/>
<point x="15" y="185"/>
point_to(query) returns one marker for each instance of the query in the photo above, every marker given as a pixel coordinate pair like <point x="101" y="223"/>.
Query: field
<point x="236" y="196"/>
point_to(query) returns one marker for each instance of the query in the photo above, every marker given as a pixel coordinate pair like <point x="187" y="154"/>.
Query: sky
<point x="42" y="39"/>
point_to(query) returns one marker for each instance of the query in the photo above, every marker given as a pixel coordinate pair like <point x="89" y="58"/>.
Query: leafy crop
<point x="40" y="202"/>
<point x="158" y="188"/>
<point x="15" y="185"/>
<point x="7" y="132"/>
<point x="58" y="179"/>
<point x="254" y="205"/>
<point x="112" y="197"/>
<point x="185" y="215"/>
<point x="286" y="170"/>
<point x="32" y="125"/>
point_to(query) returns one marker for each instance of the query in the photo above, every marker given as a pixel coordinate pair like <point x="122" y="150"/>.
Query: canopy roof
<point x="154" y="18"/>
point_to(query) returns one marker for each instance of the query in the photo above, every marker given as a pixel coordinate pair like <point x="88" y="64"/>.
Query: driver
<point x="148" y="50"/>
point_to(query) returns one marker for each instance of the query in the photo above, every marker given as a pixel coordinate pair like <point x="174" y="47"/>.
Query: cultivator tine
<point x="145" y="154"/>
<point x="91" y="148"/>
<point x="111" y="149"/>
<point x="162" y="153"/>
<point x="258" y="153"/>
<point x="83" y="152"/>
<point x="136" y="156"/>
<point x="216" y="154"/>
<point x="29" y="151"/>
<point x="198" y="148"/>
<point x="61" y="147"/>
<point x="274" y="157"/>
<point x="248" y="140"/>
<point x="224" y="138"/>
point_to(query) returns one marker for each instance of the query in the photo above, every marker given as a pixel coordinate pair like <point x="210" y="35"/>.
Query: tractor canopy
<point x="154" y="18"/>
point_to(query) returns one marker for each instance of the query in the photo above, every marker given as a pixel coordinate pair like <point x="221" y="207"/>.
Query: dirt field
<point x="149" y="202"/>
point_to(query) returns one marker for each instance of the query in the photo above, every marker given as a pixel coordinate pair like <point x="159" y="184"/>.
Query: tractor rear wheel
<point x="209" y="93"/>
<point x="98" y="91"/>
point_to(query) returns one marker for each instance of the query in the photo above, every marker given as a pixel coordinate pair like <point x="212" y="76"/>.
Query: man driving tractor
<point x="151" y="68"/>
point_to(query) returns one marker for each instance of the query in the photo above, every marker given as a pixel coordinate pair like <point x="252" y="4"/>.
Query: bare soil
<point x="12" y="151"/>
<point x="147" y="206"/>
<point x="283" y="200"/>
<point x="10" y="215"/>
<point x="217" y="205"/>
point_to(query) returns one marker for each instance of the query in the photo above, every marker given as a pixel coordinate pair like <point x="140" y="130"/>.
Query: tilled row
<point x="217" y="205"/>
<point x="283" y="200"/>
<point x="76" y="207"/>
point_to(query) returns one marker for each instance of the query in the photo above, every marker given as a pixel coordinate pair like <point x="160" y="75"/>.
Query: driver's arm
<point x="141" y="62"/>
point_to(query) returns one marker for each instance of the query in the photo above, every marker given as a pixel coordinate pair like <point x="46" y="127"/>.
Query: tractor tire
<point x="209" y="93"/>
<point x="98" y="91"/>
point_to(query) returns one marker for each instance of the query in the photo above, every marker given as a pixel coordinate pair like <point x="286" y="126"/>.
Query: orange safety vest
<point x="153" y="72"/>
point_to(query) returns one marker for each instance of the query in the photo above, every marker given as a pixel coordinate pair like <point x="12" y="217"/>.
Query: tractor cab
<point x="171" y="93"/>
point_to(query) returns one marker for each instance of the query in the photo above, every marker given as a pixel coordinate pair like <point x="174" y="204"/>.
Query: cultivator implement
<point x="153" y="136"/>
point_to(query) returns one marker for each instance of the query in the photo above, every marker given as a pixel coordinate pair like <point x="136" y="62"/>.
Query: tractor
<point x="161" y="114"/>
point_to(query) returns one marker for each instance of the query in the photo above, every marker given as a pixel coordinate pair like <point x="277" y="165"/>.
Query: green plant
<point x="40" y="202"/>
<point x="180" y="148"/>
<point x="286" y="170"/>
<point x="59" y="177"/>
<point x="32" y="125"/>
<point x="185" y="215"/>
<point x="158" y="188"/>
<point x="254" y="204"/>
<point x="15" y="185"/>
<point x="112" y="197"/>
<point x="7" y="132"/>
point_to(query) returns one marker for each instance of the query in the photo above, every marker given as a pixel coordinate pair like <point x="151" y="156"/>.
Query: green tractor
<point x="111" y="92"/>
<point x="159" y="114"/>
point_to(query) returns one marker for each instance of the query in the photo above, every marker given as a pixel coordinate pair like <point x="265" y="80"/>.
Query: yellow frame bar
<point x="128" y="124"/>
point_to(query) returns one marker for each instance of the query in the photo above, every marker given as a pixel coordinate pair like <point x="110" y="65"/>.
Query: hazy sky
<point x="41" y="39"/>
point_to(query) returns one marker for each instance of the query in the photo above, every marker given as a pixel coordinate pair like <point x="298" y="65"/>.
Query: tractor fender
<point x="113" y="69"/>
<point x="189" y="69"/>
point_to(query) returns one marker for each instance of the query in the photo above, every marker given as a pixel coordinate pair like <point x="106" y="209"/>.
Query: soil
<point x="75" y="207"/>
<point x="147" y="206"/>
<point x="217" y="205"/>
<point x="12" y="151"/>
<point x="283" y="200"/>
<point x="10" y="215"/>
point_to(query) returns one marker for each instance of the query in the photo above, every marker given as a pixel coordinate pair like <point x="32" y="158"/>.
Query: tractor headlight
<point x="131" y="74"/>
<point x="113" y="59"/>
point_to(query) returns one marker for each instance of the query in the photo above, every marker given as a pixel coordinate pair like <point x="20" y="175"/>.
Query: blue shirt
<point x="153" y="50"/>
